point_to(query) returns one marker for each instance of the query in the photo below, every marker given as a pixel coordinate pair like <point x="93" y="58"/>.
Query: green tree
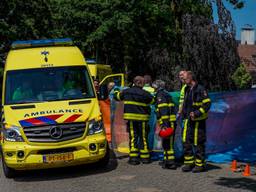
<point x="135" y="37"/>
<point x="23" y="20"/>
<point x="242" y="78"/>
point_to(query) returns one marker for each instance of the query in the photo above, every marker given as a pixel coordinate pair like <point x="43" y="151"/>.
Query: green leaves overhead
<point x="238" y="4"/>
<point x="135" y="37"/>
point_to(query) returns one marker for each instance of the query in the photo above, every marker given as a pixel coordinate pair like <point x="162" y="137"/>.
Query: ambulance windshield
<point x="48" y="84"/>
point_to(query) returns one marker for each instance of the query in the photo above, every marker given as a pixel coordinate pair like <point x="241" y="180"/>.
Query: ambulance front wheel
<point x="102" y="163"/>
<point x="8" y="172"/>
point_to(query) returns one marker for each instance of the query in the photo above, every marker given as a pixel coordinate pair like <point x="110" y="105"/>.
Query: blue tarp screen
<point x="231" y="128"/>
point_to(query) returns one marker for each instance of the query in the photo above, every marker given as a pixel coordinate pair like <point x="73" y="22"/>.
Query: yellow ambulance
<point x="50" y="112"/>
<point x="103" y="73"/>
<point x="98" y="71"/>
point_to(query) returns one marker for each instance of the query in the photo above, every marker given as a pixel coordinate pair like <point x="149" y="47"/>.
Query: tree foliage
<point x="28" y="19"/>
<point x="157" y="37"/>
<point x="242" y="78"/>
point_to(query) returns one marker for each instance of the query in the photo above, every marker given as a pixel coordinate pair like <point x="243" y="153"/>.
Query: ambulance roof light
<point x="41" y="43"/>
<point x="90" y="61"/>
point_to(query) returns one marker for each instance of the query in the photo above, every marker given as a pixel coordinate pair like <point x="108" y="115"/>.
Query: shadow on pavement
<point x="67" y="172"/>
<point x="122" y="156"/>
<point x="242" y="183"/>
<point x="212" y="167"/>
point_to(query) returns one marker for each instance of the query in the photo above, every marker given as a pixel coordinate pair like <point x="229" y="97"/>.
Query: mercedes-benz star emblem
<point x="56" y="132"/>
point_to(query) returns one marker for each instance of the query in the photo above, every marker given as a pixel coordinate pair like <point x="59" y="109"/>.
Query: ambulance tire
<point x="8" y="172"/>
<point x="102" y="163"/>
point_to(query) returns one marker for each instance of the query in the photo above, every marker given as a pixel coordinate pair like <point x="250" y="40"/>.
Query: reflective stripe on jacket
<point x="182" y="95"/>
<point x="201" y="102"/>
<point x="149" y="89"/>
<point x="136" y="103"/>
<point x="165" y="109"/>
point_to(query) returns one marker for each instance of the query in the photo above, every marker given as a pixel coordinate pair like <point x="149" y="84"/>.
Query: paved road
<point x="120" y="176"/>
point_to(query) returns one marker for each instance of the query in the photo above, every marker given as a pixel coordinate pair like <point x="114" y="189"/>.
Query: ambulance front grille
<point x="55" y="133"/>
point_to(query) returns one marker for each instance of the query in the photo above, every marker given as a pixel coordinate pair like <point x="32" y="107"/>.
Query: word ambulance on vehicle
<point x="50" y="111"/>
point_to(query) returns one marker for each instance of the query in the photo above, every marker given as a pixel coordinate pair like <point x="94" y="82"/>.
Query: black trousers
<point x="167" y="144"/>
<point x="138" y="135"/>
<point x="194" y="138"/>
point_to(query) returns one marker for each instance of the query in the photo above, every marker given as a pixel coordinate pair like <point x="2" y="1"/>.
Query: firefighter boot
<point x="198" y="169"/>
<point x="134" y="161"/>
<point x="187" y="168"/>
<point x="145" y="160"/>
<point x="170" y="165"/>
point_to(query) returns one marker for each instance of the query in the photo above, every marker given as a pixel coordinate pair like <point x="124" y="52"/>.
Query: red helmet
<point x="166" y="132"/>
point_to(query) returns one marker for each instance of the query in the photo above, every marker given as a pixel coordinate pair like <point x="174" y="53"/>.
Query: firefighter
<point x="137" y="112"/>
<point x="167" y="121"/>
<point x="182" y="74"/>
<point x="148" y="84"/>
<point x="195" y="112"/>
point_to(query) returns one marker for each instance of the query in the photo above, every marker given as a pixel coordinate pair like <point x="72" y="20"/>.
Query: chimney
<point x="248" y="35"/>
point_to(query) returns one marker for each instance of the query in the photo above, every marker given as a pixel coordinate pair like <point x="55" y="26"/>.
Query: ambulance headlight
<point x="12" y="133"/>
<point x="95" y="127"/>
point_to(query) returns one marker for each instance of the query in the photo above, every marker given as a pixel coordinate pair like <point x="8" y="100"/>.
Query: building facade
<point x="247" y="50"/>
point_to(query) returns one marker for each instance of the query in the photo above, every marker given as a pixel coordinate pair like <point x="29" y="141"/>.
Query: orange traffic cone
<point x="247" y="171"/>
<point x="234" y="165"/>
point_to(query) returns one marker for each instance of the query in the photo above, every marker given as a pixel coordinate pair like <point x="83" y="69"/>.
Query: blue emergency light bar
<point x="90" y="61"/>
<point x="41" y="43"/>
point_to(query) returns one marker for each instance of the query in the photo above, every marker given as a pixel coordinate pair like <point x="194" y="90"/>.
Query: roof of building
<point x="247" y="55"/>
<point x="247" y="27"/>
